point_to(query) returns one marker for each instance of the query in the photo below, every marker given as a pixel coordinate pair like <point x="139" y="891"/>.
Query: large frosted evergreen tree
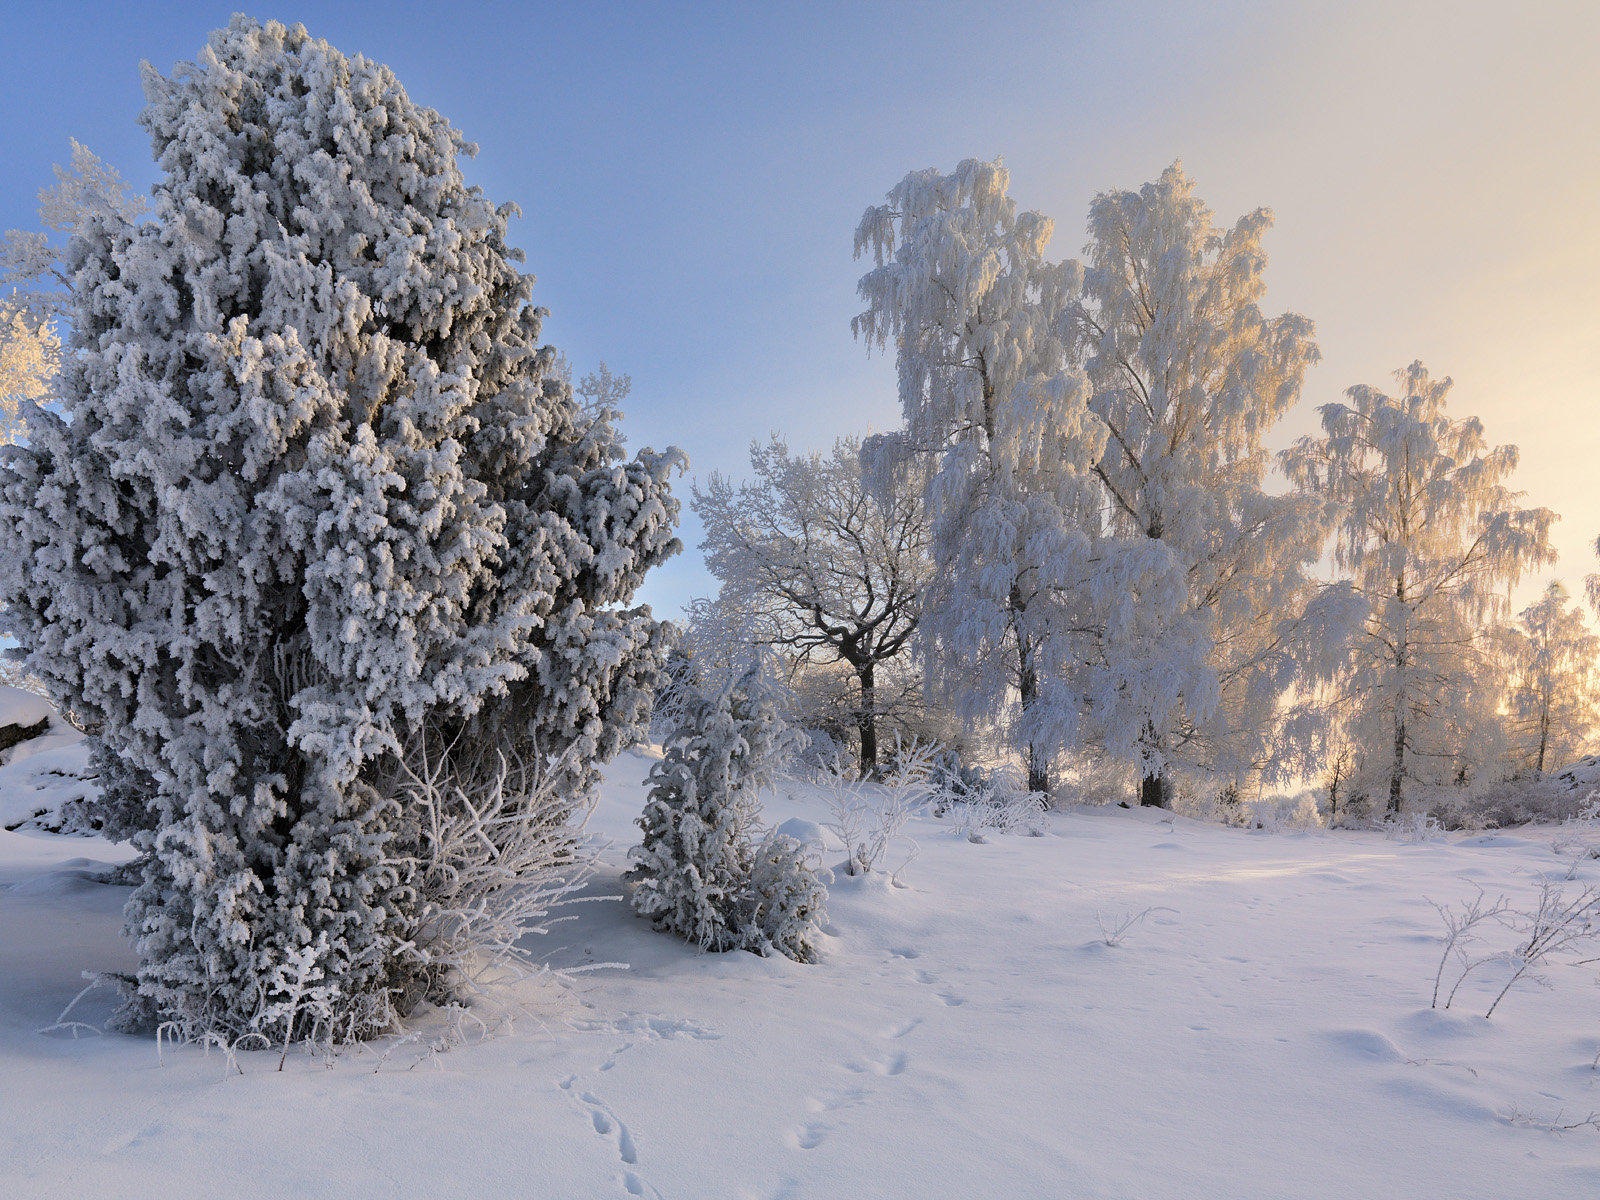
<point x="316" y="498"/>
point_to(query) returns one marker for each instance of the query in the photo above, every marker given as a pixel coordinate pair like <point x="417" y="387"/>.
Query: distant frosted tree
<point x="1432" y="538"/>
<point x="1190" y="377"/>
<point x="29" y="352"/>
<point x="1554" y="694"/>
<point x="34" y="268"/>
<point x="313" y="500"/>
<point x="34" y="292"/>
<point x="821" y="564"/>
<point x="602" y="390"/>
<point x="960" y="287"/>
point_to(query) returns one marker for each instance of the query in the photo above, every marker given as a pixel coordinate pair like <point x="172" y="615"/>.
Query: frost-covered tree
<point x="1189" y="378"/>
<point x="34" y="267"/>
<point x="1432" y="539"/>
<point x="29" y="352"/>
<point x="821" y="565"/>
<point x="1554" y="694"/>
<point x="960" y="287"/>
<point x="703" y="871"/>
<point x="314" y="499"/>
<point x="34" y="292"/>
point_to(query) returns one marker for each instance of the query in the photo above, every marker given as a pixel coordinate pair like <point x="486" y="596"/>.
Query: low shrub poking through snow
<point x="870" y="817"/>
<point x="1413" y="828"/>
<point x="1578" y="839"/>
<point x="1284" y="814"/>
<point x="983" y="802"/>
<point x="1115" y="927"/>
<point x="1558" y="928"/>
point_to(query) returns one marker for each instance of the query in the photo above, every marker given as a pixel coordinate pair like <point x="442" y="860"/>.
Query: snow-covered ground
<point x="1264" y="1032"/>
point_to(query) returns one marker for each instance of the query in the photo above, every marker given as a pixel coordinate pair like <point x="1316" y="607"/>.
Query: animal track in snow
<point x="646" y="1028"/>
<point x="891" y="1065"/>
<point x="809" y="1136"/>
<point x="929" y="979"/>
<point x="605" y="1122"/>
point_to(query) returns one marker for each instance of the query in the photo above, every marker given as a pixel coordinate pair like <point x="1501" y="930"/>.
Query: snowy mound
<point x="1581" y="777"/>
<point x="42" y="774"/>
<point x="25" y="709"/>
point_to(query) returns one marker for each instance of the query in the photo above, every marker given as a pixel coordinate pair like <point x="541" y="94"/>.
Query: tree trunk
<point x="1397" y="772"/>
<point x="1155" y="791"/>
<point x="1402" y="659"/>
<point x="1544" y="742"/>
<point x="867" y="720"/>
<point x="1038" y="759"/>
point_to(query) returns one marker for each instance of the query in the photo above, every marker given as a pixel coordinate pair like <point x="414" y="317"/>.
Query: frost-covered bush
<point x="784" y="901"/>
<point x="870" y="817"/>
<point x="980" y="801"/>
<point x="1578" y="839"/>
<point x="1003" y="806"/>
<point x="1283" y="814"/>
<point x="821" y="753"/>
<point x="954" y="780"/>
<point x="1413" y="828"/>
<point x="1501" y="804"/>
<point x="315" y="489"/>
<point x="494" y="852"/>
<point x="696" y="872"/>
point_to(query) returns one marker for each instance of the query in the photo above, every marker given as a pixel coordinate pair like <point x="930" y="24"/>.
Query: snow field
<point x="1263" y="1033"/>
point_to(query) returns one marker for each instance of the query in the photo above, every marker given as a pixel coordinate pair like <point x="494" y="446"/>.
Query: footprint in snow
<point x="896" y="1032"/>
<point x="809" y="1136"/>
<point x="605" y="1122"/>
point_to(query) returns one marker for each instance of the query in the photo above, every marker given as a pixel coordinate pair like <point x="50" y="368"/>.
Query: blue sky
<point x="691" y="175"/>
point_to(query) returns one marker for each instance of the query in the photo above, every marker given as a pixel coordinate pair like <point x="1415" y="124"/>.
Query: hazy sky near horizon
<point x="691" y="176"/>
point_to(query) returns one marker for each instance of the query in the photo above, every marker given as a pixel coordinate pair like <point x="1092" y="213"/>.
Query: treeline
<point x="1078" y="550"/>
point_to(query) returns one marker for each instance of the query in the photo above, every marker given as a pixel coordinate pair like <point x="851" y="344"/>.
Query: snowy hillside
<point x="1264" y="1031"/>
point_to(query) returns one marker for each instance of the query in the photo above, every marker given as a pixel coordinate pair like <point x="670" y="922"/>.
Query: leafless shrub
<point x="1413" y="828"/>
<point x="870" y="817"/>
<point x="1461" y="931"/>
<point x="1559" y="1123"/>
<point x="496" y="855"/>
<point x="1115" y="929"/>
<point x="1578" y="839"/>
<point x="1554" y="926"/>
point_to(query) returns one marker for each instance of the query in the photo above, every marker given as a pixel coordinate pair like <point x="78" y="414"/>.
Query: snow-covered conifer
<point x="1432" y="539"/>
<point x="693" y="871"/>
<point x="314" y="498"/>
<point x="783" y="907"/>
